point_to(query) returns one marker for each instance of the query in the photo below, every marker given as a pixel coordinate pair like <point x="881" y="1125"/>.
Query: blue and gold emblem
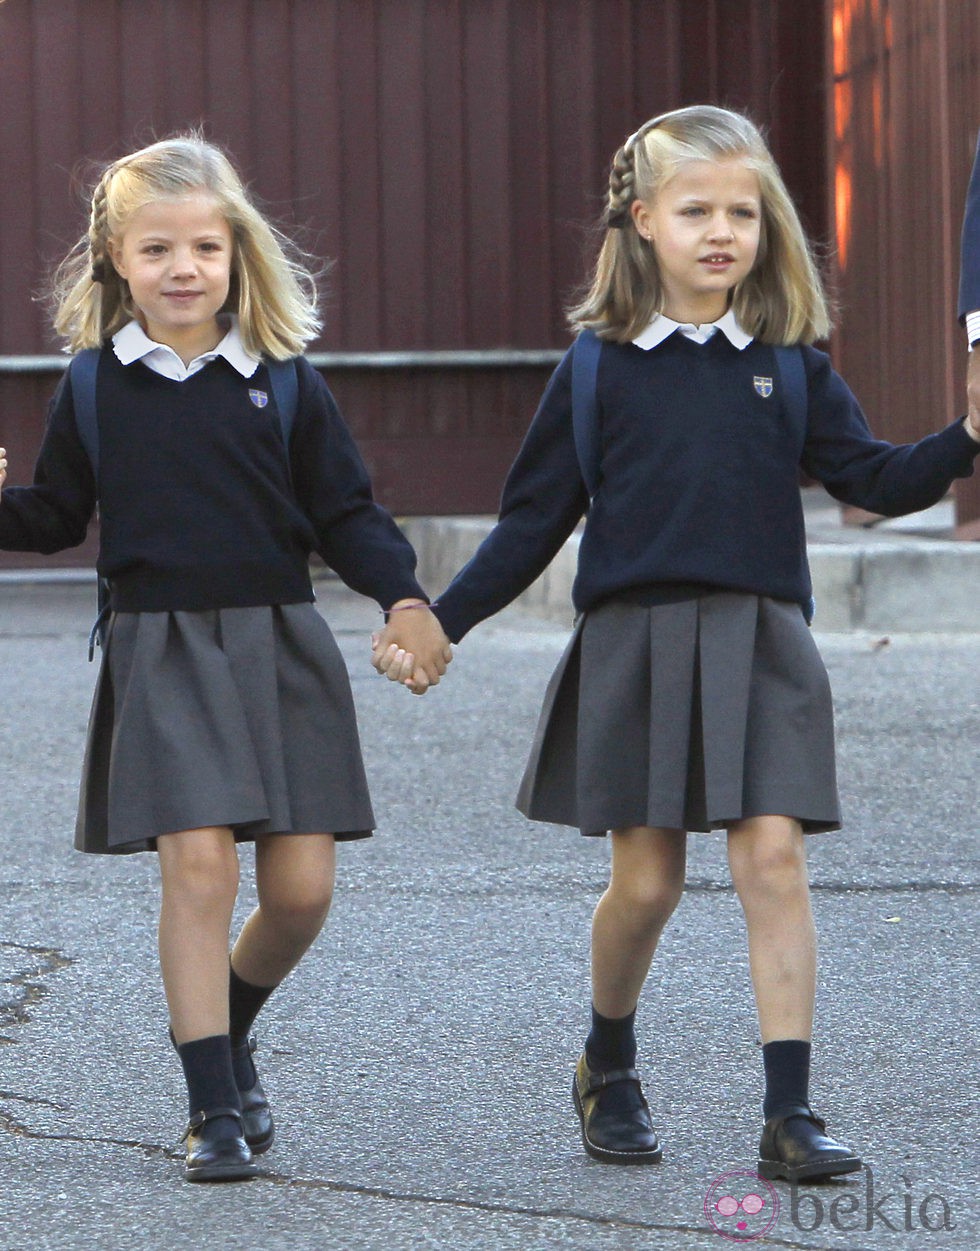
<point x="763" y="386"/>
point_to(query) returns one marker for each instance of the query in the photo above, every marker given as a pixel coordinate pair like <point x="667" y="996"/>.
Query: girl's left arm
<point x="357" y="538"/>
<point x="856" y="468"/>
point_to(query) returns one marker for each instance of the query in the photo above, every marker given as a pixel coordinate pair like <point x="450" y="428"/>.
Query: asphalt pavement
<point x="420" y="1060"/>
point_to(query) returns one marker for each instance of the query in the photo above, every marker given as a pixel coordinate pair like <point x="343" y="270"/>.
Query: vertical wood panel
<point x="442" y="161"/>
<point x="403" y="225"/>
<point x="20" y="323"/>
<point x="489" y="190"/>
<point x="359" y="273"/>
<point x="904" y="125"/>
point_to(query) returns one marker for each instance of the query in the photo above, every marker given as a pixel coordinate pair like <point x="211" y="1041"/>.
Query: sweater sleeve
<point x="54" y="512"/>
<point x="356" y="537"/>
<point x="969" y="295"/>
<point x="858" y="469"/>
<point x="543" y="499"/>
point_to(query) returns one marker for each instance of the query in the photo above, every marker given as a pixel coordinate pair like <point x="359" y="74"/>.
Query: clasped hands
<point x="412" y="648"/>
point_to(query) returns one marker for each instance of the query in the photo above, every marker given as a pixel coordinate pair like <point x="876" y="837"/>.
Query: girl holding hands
<point x="223" y="711"/>
<point x="691" y="695"/>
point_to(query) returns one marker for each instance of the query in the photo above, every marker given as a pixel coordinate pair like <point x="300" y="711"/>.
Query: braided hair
<point x="622" y="179"/>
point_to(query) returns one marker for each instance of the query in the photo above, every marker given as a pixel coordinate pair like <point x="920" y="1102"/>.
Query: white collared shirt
<point x="132" y="343"/>
<point x="662" y="327"/>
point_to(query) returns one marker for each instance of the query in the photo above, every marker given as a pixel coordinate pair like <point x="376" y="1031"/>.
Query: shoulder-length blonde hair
<point x="781" y="300"/>
<point x="273" y="289"/>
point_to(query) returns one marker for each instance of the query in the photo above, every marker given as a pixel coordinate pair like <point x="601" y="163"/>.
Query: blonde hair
<point x="780" y="301"/>
<point x="273" y="289"/>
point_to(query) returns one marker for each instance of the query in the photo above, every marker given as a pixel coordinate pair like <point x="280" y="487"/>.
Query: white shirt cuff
<point x="973" y="328"/>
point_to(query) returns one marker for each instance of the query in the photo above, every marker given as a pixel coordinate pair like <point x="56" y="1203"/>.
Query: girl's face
<point x="176" y="255"/>
<point x="704" y="226"/>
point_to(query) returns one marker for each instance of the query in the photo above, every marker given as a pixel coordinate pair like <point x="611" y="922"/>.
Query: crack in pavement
<point x="706" y="886"/>
<point x="34" y="1101"/>
<point x="155" y="1151"/>
<point x="31" y="990"/>
<point x="14" y="1126"/>
<point x="512" y="1209"/>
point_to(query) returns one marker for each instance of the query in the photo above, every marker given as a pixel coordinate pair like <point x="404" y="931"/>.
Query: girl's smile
<point x="176" y="256"/>
<point x="704" y="226"/>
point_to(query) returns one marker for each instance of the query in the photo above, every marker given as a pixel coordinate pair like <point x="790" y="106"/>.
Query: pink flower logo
<point x="741" y="1206"/>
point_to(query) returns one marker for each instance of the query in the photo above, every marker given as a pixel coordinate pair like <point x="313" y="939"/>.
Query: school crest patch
<point x="763" y="386"/>
<point x="261" y="398"/>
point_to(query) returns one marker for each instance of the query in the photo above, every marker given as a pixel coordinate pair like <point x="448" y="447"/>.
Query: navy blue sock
<point x="611" y="1043"/>
<point x="245" y="1001"/>
<point x="209" y="1075"/>
<point x="787" y="1066"/>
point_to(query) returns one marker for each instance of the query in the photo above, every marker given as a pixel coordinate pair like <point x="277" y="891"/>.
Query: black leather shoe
<point x="216" y="1147"/>
<point x="794" y="1146"/>
<point x="617" y="1134"/>
<point x="256" y="1113"/>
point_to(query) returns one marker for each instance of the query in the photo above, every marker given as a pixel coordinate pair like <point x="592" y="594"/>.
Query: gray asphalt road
<point x="420" y="1060"/>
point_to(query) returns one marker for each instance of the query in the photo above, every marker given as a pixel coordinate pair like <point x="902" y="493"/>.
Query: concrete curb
<point x="892" y="586"/>
<point x="875" y="581"/>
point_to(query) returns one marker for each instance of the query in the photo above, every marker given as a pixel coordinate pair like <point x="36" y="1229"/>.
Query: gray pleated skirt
<point x="240" y="716"/>
<point x="686" y="716"/>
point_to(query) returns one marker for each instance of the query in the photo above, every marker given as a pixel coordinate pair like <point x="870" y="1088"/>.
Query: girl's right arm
<point x="543" y="500"/>
<point x="54" y="512"/>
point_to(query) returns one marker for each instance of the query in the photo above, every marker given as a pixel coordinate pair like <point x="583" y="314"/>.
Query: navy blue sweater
<point x="195" y="502"/>
<point x="699" y="480"/>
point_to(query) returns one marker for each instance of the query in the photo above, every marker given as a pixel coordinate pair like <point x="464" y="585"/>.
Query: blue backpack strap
<point x="792" y="375"/>
<point x="82" y="370"/>
<point x="285" y="391"/>
<point x="585" y="406"/>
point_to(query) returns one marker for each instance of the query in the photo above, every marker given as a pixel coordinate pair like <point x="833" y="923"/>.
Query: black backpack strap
<point x="285" y="391"/>
<point x="792" y="375"/>
<point x="585" y="406"/>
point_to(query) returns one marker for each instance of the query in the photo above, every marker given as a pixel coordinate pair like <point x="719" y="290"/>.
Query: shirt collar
<point x="662" y="327"/>
<point x="132" y="343"/>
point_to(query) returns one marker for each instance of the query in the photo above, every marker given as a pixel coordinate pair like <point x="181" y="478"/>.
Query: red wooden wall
<point x="449" y="157"/>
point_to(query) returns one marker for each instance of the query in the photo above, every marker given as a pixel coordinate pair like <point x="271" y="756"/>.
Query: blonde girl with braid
<point x="691" y="696"/>
<point x="223" y="711"/>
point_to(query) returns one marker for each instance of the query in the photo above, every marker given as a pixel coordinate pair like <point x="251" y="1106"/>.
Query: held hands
<point x="973" y="394"/>
<point x="412" y="648"/>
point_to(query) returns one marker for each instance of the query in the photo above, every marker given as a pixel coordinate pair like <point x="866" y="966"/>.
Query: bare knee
<point x="300" y="910"/>
<point x="647" y="881"/>
<point x="199" y="867"/>
<point x="768" y="862"/>
<point x="650" y="899"/>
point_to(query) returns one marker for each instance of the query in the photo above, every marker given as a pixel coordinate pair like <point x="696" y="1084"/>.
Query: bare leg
<point x="645" y="885"/>
<point x="768" y="864"/>
<point x="295" y="878"/>
<point x="199" y="874"/>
